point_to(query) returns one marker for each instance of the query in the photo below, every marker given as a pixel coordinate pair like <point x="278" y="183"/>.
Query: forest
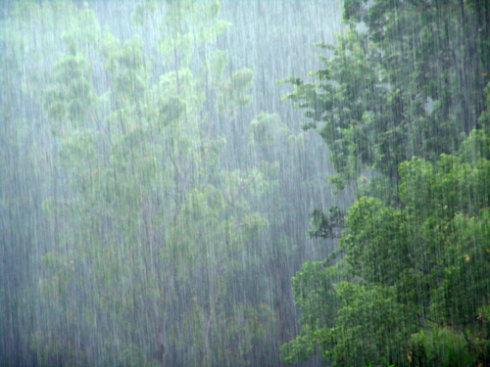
<point x="256" y="183"/>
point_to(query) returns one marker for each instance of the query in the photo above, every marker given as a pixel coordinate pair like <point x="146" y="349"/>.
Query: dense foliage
<point x="155" y="193"/>
<point x="401" y="104"/>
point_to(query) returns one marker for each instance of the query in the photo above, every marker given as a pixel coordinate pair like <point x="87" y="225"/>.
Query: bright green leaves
<point x="374" y="242"/>
<point x="315" y="294"/>
<point x="465" y="286"/>
<point x="422" y="265"/>
<point x="342" y="103"/>
<point x="318" y="300"/>
<point x="416" y="185"/>
<point x="370" y="329"/>
<point x="350" y="324"/>
<point x="302" y="347"/>
<point x="393" y="87"/>
<point x="399" y="107"/>
<point x="326" y="225"/>
<point x="453" y="183"/>
<point x="441" y="347"/>
<point x="476" y="146"/>
<point x="352" y="10"/>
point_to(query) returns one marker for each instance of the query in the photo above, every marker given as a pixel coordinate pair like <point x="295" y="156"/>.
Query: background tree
<point x="145" y="196"/>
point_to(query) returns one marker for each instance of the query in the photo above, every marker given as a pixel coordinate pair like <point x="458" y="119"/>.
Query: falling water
<point x="180" y="187"/>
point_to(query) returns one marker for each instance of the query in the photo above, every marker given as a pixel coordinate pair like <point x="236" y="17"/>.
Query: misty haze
<point x="258" y="183"/>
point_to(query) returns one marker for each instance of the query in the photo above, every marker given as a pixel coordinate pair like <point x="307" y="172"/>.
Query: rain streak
<point x="262" y="183"/>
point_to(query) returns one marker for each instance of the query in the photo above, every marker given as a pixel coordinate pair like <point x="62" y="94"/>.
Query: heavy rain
<point x="244" y="183"/>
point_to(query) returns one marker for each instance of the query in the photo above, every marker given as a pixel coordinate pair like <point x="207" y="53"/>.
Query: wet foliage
<point x="402" y="105"/>
<point x="245" y="183"/>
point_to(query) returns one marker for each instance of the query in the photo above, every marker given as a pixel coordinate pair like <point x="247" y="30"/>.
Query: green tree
<point x="400" y="103"/>
<point x="394" y="87"/>
<point x="420" y="267"/>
